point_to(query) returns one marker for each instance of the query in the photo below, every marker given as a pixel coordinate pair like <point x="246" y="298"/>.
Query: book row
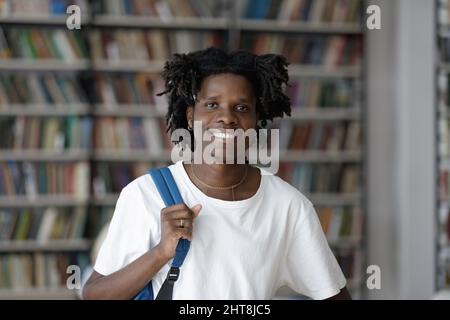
<point x="321" y="178"/>
<point x="39" y="7"/>
<point x="42" y="224"/>
<point x="122" y="134"/>
<point x="34" y="43"/>
<point x="341" y="223"/>
<point x="149" y="133"/>
<point x="152" y="45"/>
<point x="46" y="133"/>
<point x="314" y="11"/>
<point x="40" y="88"/>
<point x="326" y="11"/>
<point x="327" y="51"/>
<point x="142" y="88"/>
<point x="54" y="178"/>
<point x="330" y="136"/>
<point x="38" y="270"/>
<point x="137" y="46"/>
<point x="313" y="93"/>
<point x="41" y="178"/>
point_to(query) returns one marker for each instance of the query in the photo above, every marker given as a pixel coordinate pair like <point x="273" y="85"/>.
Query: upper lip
<point x="224" y="128"/>
<point x="222" y="131"/>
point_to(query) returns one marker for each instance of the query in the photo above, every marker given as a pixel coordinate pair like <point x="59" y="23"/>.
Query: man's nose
<point x="226" y="115"/>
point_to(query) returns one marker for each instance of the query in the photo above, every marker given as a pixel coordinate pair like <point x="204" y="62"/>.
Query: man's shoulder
<point x="284" y="190"/>
<point x="144" y="182"/>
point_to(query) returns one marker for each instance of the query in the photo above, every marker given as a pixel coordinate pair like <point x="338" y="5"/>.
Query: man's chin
<point x="228" y="158"/>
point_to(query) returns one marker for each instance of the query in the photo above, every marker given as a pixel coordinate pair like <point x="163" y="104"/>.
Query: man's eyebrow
<point x="210" y="98"/>
<point x="242" y="99"/>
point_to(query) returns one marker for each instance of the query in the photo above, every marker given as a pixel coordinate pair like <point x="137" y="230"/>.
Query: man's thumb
<point x="196" y="209"/>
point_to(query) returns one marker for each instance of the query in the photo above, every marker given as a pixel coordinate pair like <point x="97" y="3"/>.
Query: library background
<point x="368" y="141"/>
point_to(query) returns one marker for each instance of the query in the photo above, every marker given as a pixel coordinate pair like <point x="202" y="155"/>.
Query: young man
<point x="251" y="233"/>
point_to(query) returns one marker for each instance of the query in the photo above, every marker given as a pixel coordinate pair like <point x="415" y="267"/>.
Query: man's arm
<point x="128" y="281"/>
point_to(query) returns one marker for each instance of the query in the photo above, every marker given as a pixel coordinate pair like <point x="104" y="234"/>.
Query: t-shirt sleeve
<point x="311" y="268"/>
<point x="128" y="236"/>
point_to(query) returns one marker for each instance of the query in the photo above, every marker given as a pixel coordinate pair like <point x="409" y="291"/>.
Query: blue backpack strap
<point x="146" y="293"/>
<point x="171" y="185"/>
<point x="162" y="187"/>
<point x="170" y="194"/>
<point x="183" y="244"/>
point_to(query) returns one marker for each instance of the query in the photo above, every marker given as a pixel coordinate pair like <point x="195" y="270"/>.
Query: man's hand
<point x="176" y="223"/>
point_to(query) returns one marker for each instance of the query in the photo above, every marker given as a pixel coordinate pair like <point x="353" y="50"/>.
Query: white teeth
<point x="223" y="135"/>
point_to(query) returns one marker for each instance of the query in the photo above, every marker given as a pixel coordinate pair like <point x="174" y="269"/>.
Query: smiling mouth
<point x="223" y="135"/>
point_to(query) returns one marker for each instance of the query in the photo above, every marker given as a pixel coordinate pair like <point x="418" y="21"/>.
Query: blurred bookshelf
<point x="81" y="118"/>
<point x="443" y="146"/>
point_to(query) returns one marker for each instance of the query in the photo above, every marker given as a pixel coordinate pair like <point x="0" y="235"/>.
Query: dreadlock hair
<point x="184" y="73"/>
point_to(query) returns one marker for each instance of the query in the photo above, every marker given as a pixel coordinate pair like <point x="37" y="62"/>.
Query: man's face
<point x="224" y="101"/>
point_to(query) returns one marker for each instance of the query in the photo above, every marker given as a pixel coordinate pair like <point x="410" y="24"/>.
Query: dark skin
<point x="225" y="101"/>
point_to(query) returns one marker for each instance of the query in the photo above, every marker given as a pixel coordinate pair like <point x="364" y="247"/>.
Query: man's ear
<point x="190" y="116"/>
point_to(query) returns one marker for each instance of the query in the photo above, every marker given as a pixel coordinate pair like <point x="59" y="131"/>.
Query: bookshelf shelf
<point x="57" y="20"/>
<point x="346" y="244"/>
<point x="291" y="156"/>
<point x="43" y="110"/>
<point x="320" y="156"/>
<point x="42" y="65"/>
<point x="295" y="70"/>
<point x="324" y="114"/>
<point x="37" y="293"/>
<point x="54" y="200"/>
<point x="298" y="70"/>
<point x="335" y="199"/>
<point x="129" y="110"/>
<point x="128" y="66"/>
<point x="109" y="199"/>
<point x="62" y="245"/>
<point x="298" y="113"/>
<point x="123" y="21"/>
<point x="130" y="156"/>
<point x="40" y="155"/>
<point x="206" y="23"/>
<point x="298" y="27"/>
<point x="134" y="110"/>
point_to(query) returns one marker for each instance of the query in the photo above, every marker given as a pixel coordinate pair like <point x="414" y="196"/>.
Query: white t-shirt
<point x="244" y="249"/>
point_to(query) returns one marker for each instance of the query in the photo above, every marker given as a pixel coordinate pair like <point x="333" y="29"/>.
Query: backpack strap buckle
<point x="173" y="274"/>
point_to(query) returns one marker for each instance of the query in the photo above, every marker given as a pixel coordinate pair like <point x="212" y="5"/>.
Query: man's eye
<point x="242" y="108"/>
<point x="211" y="105"/>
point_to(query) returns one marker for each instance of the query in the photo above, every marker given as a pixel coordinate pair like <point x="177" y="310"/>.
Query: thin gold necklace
<point x="234" y="186"/>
